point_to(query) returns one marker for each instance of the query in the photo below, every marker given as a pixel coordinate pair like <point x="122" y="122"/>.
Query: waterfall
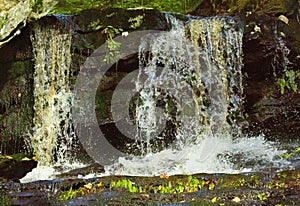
<point x="206" y="54"/>
<point x="189" y="84"/>
<point x="53" y="135"/>
<point x="189" y="96"/>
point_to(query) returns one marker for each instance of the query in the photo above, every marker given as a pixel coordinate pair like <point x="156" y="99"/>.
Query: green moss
<point x="232" y="181"/>
<point x="70" y="194"/>
<point x="288" y="81"/>
<point x="16" y="101"/>
<point x="103" y="104"/>
<point x="173" y="186"/>
<point x="4" y="200"/>
<point x="75" y="6"/>
<point x="136" y="22"/>
<point x="21" y="156"/>
<point x="18" y="68"/>
<point x="183" y="189"/>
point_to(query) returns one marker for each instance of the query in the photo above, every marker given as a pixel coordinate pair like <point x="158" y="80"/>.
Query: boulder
<point x="14" y="15"/>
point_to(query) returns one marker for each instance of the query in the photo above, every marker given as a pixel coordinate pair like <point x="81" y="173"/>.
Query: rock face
<point x="14" y="14"/>
<point x="271" y="47"/>
<point x="90" y="29"/>
<point x="10" y="166"/>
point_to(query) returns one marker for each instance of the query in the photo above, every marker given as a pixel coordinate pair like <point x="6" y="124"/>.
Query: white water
<point x="212" y="155"/>
<point x="208" y="140"/>
<point x="53" y="136"/>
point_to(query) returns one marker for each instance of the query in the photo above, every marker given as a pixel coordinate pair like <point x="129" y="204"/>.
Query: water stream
<point x="189" y="83"/>
<point x="53" y="138"/>
<point x="205" y="54"/>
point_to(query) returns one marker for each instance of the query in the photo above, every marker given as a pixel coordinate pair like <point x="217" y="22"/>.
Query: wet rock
<point x="129" y="20"/>
<point x="227" y="189"/>
<point x="16" y="100"/>
<point x="89" y="30"/>
<point x="74" y="174"/>
<point x="240" y="8"/>
<point x="16" y="166"/>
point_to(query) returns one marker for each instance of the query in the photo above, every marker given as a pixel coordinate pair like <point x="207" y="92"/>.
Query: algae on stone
<point x="14" y="14"/>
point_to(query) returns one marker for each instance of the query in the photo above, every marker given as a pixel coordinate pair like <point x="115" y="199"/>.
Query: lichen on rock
<point x="14" y="14"/>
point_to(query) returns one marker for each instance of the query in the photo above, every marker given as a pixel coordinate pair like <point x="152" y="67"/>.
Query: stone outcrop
<point x="14" y="15"/>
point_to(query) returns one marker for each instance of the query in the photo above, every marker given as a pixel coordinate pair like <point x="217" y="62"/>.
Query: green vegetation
<point x="4" y="200"/>
<point x="262" y="196"/>
<point x="70" y="194"/>
<point x="287" y="155"/>
<point x="75" y="6"/>
<point x="166" y="187"/>
<point x="112" y="45"/>
<point x="288" y="81"/>
<point x="173" y="189"/>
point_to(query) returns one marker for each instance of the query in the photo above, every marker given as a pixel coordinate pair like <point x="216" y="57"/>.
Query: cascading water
<point x="213" y="73"/>
<point x="53" y="136"/>
<point x="206" y="54"/>
<point x="189" y="88"/>
<point x="52" y="96"/>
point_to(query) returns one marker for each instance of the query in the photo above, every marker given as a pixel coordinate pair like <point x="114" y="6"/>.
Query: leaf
<point x="281" y="83"/>
<point x="283" y="19"/>
<point x="100" y="184"/>
<point x="211" y="186"/>
<point x="214" y="200"/>
<point x="164" y="176"/>
<point x="160" y="187"/>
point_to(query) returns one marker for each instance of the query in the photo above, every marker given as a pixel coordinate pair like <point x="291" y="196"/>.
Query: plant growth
<point x="288" y="81"/>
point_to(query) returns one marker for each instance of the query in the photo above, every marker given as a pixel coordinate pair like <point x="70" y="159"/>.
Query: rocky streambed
<point x="270" y="188"/>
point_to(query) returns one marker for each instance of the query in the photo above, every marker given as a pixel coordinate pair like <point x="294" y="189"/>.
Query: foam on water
<point x="48" y="172"/>
<point x="211" y="155"/>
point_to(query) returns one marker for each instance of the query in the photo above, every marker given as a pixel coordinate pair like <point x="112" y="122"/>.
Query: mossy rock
<point x="241" y="7"/>
<point x="129" y="20"/>
<point x="292" y="33"/>
<point x="16" y="166"/>
<point x="14" y="14"/>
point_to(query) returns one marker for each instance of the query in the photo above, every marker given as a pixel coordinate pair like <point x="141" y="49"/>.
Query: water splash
<point x="246" y="154"/>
